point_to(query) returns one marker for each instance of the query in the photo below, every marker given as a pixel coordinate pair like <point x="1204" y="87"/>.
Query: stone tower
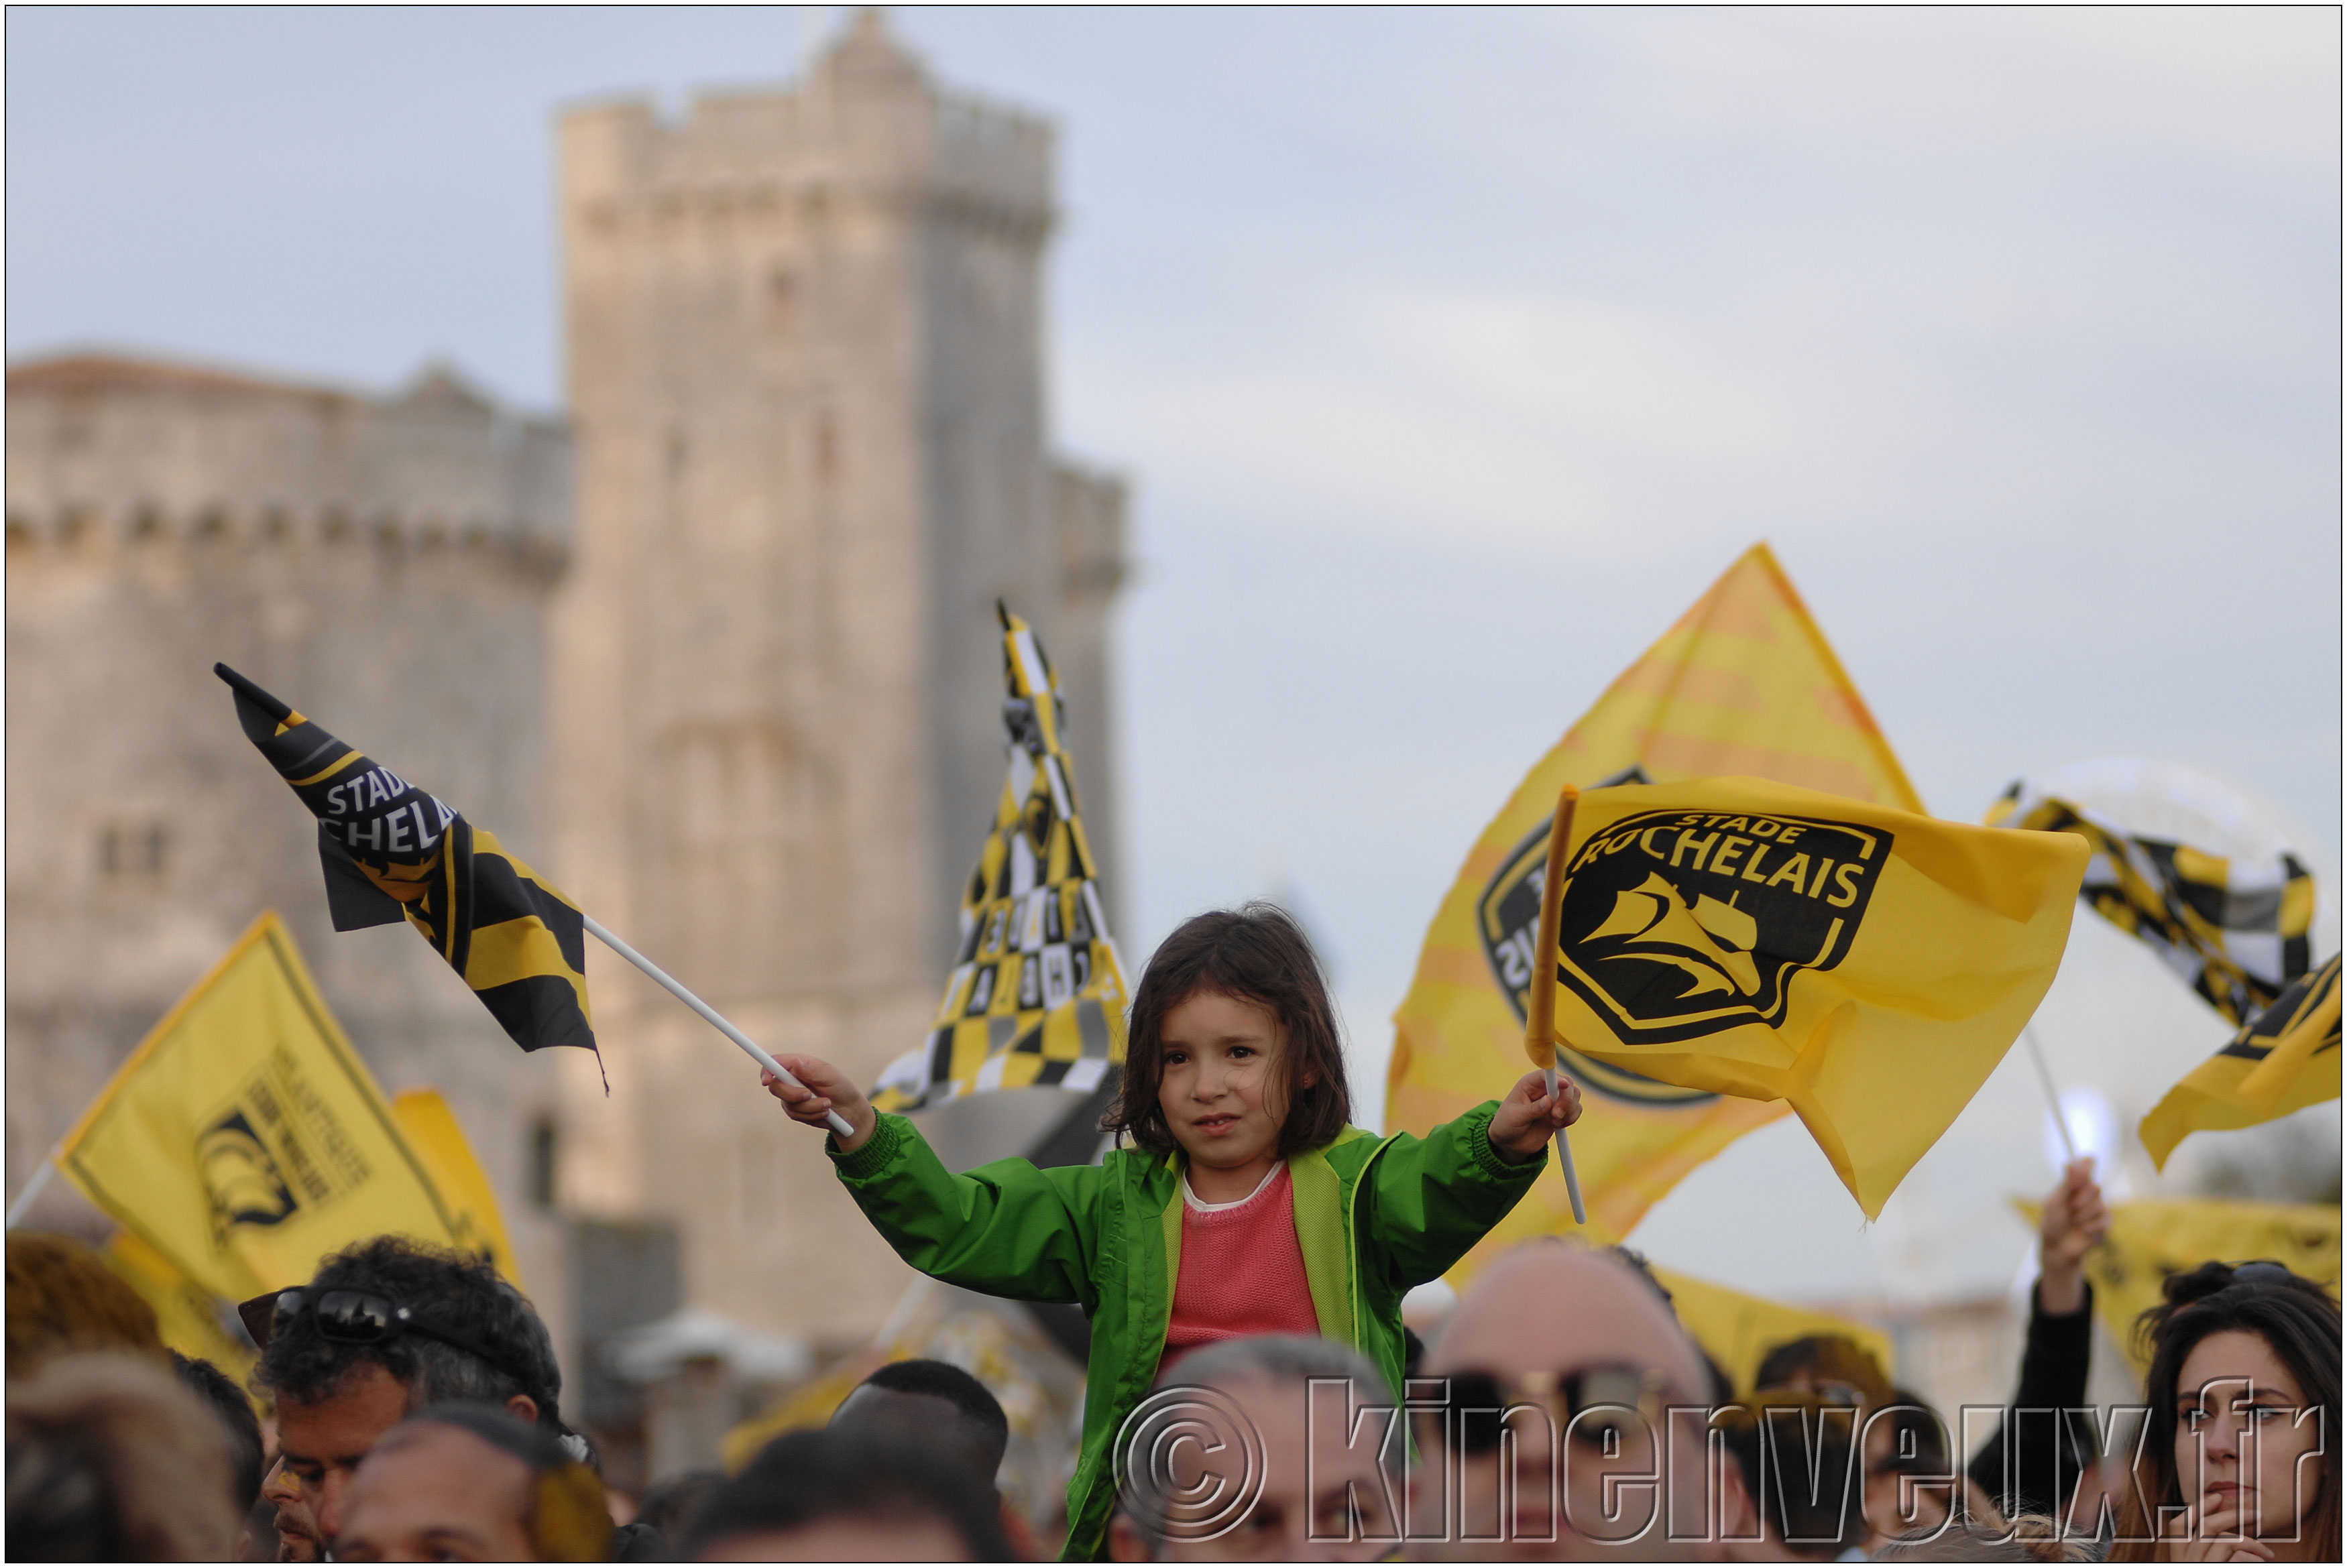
<point x="383" y="563"/>
<point x="806" y="380"/>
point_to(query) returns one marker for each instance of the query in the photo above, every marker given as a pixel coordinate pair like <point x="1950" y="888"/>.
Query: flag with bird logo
<point x="1037" y="995"/>
<point x="392" y="851"/>
<point x="1743" y="683"/>
<point x="1868" y="966"/>
<point x="244" y="1139"/>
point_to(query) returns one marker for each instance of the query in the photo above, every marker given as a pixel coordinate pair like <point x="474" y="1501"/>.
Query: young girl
<point x="1246" y="1204"/>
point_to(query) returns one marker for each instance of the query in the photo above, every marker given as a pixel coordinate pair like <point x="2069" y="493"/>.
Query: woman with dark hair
<point x="2240" y="1462"/>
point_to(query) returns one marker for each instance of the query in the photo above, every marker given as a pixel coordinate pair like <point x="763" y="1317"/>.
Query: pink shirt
<point x="1242" y="1269"/>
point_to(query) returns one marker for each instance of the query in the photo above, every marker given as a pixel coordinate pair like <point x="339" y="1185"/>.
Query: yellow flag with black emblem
<point x="1868" y="966"/>
<point x="244" y="1139"/>
<point x="2284" y="1060"/>
<point x="1743" y="683"/>
<point x="392" y="851"/>
<point x="1037" y="995"/>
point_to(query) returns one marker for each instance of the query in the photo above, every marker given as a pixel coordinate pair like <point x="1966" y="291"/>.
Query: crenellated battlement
<point x="142" y="455"/>
<point x="867" y="121"/>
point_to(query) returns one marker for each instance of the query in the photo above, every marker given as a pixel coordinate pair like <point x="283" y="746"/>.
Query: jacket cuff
<point x="875" y="1152"/>
<point x="1493" y="1163"/>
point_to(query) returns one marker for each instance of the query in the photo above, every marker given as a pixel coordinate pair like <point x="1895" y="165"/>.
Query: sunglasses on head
<point x="353" y="1318"/>
<point x="1601" y="1406"/>
<point x="2261" y="1274"/>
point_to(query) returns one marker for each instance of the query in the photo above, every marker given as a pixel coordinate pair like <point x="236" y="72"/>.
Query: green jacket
<point x="1373" y="1216"/>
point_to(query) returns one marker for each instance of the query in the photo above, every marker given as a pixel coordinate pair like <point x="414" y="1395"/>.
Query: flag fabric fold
<point x="2238" y="932"/>
<point x="392" y="851"/>
<point x="1743" y="683"/>
<point x="1866" y="965"/>
<point x="2283" y="1060"/>
<point x="2151" y="1238"/>
<point x="1037" y="995"/>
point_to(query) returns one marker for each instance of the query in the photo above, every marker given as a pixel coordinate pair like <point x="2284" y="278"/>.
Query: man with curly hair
<point x="386" y="1328"/>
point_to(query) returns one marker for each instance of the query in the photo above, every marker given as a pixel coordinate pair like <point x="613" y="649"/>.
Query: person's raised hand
<point x="2073" y="1220"/>
<point x="1528" y="1118"/>
<point x="822" y="1089"/>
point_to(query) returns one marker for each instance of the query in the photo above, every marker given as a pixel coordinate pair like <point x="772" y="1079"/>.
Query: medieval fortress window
<point x="132" y="853"/>
<point x="545" y="1163"/>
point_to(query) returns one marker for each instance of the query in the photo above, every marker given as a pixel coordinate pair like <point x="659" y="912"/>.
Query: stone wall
<point x="382" y="564"/>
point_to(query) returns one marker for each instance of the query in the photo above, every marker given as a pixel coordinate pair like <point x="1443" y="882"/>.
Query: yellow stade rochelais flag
<point x="1037" y="995"/>
<point x="1743" y="683"/>
<point x="244" y="1139"/>
<point x="2149" y="1240"/>
<point x="2284" y="1060"/>
<point x="1738" y="1330"/>
<point x="1868" y="966"/>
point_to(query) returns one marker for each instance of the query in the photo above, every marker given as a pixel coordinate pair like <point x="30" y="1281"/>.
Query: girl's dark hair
<point x="2299" y="1322"/>
<point x="1257" y="954"/>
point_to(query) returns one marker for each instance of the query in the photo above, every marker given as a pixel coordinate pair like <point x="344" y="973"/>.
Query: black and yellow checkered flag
<point x="391" y="852"/>
<point x="2237" y="930"/>
<point x="1036" y="996"/>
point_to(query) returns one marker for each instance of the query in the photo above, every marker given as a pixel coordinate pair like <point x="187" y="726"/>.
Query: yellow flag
<point x="190" y="1317"/>
<point x="244" y="1139"/>
<point x="1743" y="683"/>
<point x="1868" y="966"/>
<point x="2283" y="1060"/>
<point x="1738" y="1330"/>
<point x="435" y="1133"/>
<point x="2149" y="1240"/>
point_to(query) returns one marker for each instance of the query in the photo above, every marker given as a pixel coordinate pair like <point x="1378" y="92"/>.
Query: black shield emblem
<point x="1507" y="919"/>
<point x="1678" y="924"/>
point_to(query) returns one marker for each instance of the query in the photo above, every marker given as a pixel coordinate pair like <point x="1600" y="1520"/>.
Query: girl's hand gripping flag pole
<point x="1539" y="1026"/>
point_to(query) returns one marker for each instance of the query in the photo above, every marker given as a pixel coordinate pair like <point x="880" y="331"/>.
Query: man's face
<point x="1322" y="1500"/>
<point x="322" y="1444"/>
<point x="1555" y="1319"/>
<point x="436" y="1494"/>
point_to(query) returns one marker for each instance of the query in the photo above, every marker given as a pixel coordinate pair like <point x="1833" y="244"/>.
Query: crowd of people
<point x="1252" y="1393"/>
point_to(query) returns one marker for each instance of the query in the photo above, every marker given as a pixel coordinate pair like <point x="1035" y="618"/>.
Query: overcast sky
<point x="1453" y="354"/>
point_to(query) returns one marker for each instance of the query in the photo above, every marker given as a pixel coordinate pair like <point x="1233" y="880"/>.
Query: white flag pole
<point x="1540" y="1027"/>
<point x="31" y="1190"/>
<point x="2053" y="1097"/>
<point x="838" y="1122"/>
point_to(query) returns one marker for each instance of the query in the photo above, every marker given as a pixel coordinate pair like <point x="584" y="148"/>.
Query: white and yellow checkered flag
<point x="1036" y="996"/>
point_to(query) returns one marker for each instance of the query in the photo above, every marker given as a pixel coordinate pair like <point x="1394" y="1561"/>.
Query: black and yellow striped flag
<point x="2239" y="932"/>
<point x="392" y="851"/>
<point x="2283" y="1060"/>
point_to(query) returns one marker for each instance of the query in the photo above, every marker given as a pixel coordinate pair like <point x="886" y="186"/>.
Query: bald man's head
<point x="1574" y="1344"/>
<point x="1548" y="1305"/>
